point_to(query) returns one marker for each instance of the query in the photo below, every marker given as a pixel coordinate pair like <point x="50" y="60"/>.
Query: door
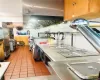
<point x="80" y="7"/>
<point x="94" y="6"/>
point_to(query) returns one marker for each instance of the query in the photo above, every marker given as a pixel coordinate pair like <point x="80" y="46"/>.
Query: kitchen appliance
<point x="4" y="43"/>
<point x="2" y="56"/>
<point x="12" y="44"/>
<point x="37" y="53"/>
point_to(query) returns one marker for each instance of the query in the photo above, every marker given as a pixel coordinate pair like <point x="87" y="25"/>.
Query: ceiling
<point x="43" y="7"/>
<point x="11" y="11"/>
<point x="11" y="8"/>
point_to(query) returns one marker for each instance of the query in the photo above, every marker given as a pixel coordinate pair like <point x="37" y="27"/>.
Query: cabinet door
<point x="68" y="9"/>
<point x="81" y="7"/>
<point x="94" y="6"/>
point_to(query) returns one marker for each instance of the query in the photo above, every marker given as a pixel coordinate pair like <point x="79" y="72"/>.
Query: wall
<point x="22" y="38"/>
<point x="11" y="11"/>
<point x="25" y="38"/>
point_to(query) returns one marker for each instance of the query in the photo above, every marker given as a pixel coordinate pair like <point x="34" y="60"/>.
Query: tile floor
<point x="23" y="65"/>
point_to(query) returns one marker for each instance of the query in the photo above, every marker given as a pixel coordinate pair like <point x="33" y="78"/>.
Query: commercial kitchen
<point x="50" y="40"/>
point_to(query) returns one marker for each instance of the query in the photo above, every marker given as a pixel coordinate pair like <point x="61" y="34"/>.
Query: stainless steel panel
<point x="82" y="26"/>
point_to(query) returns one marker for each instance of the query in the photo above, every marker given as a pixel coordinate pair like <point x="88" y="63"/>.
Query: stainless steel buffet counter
<point x="52" y="54"/>
<point x="62" y="71"/>
<point x="55" y="53"/>
<point x="59" y="62"/>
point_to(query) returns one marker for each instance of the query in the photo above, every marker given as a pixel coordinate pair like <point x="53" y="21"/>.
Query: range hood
<point x="82" y="26"/>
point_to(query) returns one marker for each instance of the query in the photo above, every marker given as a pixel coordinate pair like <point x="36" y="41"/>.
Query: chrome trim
<point x="87" y="32"/>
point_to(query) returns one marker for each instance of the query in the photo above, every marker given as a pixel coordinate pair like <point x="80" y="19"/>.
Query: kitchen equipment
<point x="2" y="55"/>
<point x="12" y="44"/>
<point x="85" y="70"/>
<point x="37" y="53"/>
<point x="82" y="26"/>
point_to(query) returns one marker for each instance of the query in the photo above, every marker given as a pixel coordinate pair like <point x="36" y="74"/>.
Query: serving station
<point x="71" y="63"/>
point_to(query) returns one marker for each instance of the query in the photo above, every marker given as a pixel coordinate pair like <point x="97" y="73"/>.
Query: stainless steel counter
<point x="66" y="53"/>
<point x="63" y="72"/>
<point x="52" y="54"/>
<point x="59" y="62"/>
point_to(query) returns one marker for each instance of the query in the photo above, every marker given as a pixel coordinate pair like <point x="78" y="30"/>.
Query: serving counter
<point x="59" y="62"/>
<point x="51" y="53"/>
